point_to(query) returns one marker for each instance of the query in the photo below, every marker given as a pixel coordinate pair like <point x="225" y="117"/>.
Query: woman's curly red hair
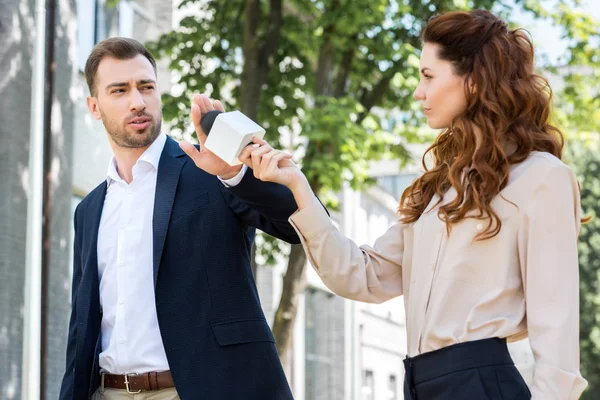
<point x="509" y="102"/>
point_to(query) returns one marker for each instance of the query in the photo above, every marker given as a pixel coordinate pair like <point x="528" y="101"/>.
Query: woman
<point x="485" y="250"/>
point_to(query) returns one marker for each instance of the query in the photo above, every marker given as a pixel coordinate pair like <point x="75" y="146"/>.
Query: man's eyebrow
<point x="117" y="84"/>
<point x="123" y="84"/>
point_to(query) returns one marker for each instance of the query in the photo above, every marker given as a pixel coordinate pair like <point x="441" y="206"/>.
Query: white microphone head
<point x="230" y="133"/>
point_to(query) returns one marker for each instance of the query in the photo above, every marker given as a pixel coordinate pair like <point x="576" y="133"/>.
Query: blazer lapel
<point x="169" y="169"/>
<point x="89" y="305"/>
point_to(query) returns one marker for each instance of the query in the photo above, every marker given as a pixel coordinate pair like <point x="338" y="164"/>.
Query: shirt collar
<point x="151" y="156"/>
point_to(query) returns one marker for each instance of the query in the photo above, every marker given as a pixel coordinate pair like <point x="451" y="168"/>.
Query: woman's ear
<point x="472" y="86"/>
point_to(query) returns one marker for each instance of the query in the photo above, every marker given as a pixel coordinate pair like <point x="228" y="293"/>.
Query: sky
<point x="547" y="37"/>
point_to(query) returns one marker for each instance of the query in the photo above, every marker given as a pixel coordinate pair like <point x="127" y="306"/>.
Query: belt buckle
<point x="129" y="391"/>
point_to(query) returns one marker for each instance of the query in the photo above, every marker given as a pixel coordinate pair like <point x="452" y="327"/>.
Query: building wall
<point x="16" y="50"/>
<point x="381" y="327"/>
<point x="17" y="29"/>
<point x="80" y="155"/>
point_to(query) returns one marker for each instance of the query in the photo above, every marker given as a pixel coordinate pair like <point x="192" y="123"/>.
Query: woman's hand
<point x="272" y="165"/>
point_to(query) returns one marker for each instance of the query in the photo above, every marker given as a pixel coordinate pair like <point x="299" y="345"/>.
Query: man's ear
<point x="92" y="104"/>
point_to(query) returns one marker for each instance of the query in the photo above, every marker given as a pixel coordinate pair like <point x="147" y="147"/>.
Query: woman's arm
<point x="369" y="274"/>
<point x="548" y="251"/>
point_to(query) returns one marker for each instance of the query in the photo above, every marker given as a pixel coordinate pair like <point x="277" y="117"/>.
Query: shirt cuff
<point x="236" y="179"/>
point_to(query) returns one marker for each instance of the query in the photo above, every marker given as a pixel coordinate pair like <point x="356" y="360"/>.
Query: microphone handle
<point x="208" y="120"/>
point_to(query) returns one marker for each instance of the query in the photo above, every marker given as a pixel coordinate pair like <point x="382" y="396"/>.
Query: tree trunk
<point x="258" y="55"/>
<point x="250" y="85"/>
<point x="294" y="283"/>
<point x="326" y="58"/>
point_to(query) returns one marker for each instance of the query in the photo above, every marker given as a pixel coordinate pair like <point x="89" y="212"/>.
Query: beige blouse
<point x="523" y="282"/>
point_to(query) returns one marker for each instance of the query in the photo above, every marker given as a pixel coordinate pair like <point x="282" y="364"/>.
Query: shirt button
<point x="121" y="301"/>
<point x="122" y="341"/>
<point x="479" y="227"/>
<point x="123" y="226"/>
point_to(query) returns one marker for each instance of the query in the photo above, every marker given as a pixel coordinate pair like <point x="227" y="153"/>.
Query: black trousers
<point x="478" y="370"/>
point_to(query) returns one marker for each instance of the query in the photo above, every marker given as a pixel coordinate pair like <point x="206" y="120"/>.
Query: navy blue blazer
<point x="216" y="338"/>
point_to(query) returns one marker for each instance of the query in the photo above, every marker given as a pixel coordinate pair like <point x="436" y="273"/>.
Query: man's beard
<point x="124" y="137"/>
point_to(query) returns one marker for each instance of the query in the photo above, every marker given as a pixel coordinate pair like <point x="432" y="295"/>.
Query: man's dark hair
<point x="116" y="47"/>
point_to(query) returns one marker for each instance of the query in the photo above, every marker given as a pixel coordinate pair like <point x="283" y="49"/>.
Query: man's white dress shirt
<point x="131" y="340"/>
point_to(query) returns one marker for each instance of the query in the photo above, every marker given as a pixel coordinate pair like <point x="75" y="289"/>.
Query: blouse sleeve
<point x="547" y="243"/>
<point x="368" y="274"/>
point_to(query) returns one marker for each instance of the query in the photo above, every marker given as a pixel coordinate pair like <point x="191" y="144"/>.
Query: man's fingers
<point x="219" y="106"/>
<point x="191" y="151"/>
<point x="206" y="104"/>
<point x="197" y="99"/>
<point x="196" y="117"/>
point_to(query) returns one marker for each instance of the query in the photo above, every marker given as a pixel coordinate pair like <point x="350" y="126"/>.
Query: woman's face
<point x="440" y="89"/>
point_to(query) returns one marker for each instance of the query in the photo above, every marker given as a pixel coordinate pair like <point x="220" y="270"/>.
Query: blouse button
<point x="479" y="227"/>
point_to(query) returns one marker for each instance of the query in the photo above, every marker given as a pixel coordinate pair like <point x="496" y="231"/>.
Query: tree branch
<point x="271" y="43"/>
<point x="372" y="98"/>
<point x="250" y="83"/>
<point x="344" y="70"/>
<point x="326" y="56"/>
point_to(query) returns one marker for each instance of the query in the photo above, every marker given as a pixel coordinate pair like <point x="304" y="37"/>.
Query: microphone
<point x="229" y="133"/>
<point x="208" y="120"/>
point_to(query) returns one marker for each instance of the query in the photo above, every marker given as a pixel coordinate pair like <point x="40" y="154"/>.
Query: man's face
<point x="127" y="101"/>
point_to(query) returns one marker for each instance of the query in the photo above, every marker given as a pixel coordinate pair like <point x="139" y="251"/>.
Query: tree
<point x="577" y="106"/>
<point x="587" y="165"/>
<point x="331" y="80"/>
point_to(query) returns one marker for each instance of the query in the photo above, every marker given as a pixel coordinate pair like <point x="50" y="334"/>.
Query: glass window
<point x="97" y="21"/>
<point x="126" y="14"/>
<point x="368" y="387"/>
<point x="324" y="346"/>
<point x="393" y="388"/>
<point x="395" y="184"/>
<point x="86" y="34"/>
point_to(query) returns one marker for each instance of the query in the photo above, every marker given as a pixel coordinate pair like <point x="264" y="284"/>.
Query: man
<point x="164" y="300"/>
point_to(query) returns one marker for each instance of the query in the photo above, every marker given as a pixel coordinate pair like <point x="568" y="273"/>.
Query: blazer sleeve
<point x="66" y="390"/>
<point x="363" y="273"/>
<point x="547" y="243"/>
<point x="263" y="205"/>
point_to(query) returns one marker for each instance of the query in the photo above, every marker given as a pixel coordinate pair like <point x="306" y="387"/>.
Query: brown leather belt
<point x="135" y="383"/>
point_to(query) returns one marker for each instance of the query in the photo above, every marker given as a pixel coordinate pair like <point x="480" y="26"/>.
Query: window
<point x="395" y="184"/>
<point x="86" y="34"/>
<point x="97" y="21"/>
<point x="324" y="346"/>
<point x="368" y="388"/>
<point x="393" y="388"/>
